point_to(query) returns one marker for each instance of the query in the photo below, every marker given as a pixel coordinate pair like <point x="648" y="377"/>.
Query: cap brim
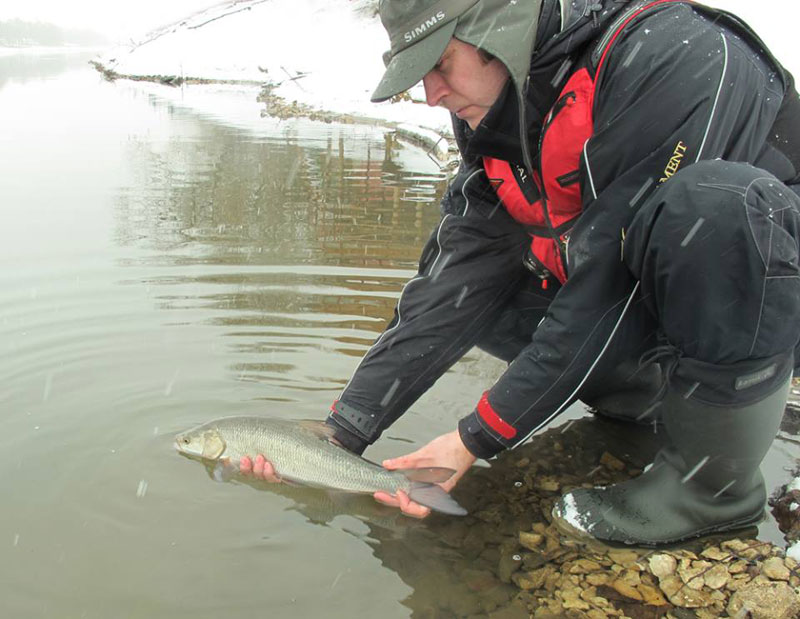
<point x="410" y="65"/>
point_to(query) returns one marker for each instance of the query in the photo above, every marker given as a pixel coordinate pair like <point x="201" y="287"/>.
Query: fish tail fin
<point x="428" y="474"/>
<point x="433" y="496"/>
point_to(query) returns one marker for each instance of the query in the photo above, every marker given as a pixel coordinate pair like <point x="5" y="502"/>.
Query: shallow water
<point x="162" y="266"/>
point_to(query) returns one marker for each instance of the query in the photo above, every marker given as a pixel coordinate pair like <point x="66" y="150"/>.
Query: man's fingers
<point x="386" y="499"/>
<point x="269" y="473"/>
<point x="409" y="461"/>
<point x="401" y="500"/>
<point x="260" y="468"/>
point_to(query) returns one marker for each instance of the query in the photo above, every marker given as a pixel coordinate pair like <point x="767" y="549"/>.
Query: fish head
<point x="202" y="442"/>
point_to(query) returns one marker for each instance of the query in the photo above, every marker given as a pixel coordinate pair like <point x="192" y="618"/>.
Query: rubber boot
<point x="705" y="480"/>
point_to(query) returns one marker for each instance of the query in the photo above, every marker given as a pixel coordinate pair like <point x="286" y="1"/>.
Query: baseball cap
<point x="419" y="31"/>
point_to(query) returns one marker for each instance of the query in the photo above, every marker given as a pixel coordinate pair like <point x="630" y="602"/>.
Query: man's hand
<point x="261" y="469"/>
<point x="447" y="451"/>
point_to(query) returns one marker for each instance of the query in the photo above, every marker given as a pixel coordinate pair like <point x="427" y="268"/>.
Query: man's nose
<point x="435" y="88"/>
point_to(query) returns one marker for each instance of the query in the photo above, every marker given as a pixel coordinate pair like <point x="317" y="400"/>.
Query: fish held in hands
<point x="302" y="452"/>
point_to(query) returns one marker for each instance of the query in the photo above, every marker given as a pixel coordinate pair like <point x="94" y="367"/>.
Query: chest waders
<point x="719" y="416"/>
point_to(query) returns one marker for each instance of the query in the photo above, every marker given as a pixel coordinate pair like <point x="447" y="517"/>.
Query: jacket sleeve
<point x="469" y="267"/>
<point x="673" y="83"/>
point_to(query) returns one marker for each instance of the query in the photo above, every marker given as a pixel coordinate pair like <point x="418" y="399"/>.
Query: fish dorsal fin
<point x="429" y="475"/>
<point x="318" y="428"/>
<point x="213" y="445"/>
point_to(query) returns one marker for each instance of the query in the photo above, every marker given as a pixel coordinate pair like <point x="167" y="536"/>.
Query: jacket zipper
<point x="560" y="245"/>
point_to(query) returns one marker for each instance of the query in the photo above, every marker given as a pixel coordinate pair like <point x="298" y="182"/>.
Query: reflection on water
<point x="276" y="202"/>
<point x="297" y="249"/>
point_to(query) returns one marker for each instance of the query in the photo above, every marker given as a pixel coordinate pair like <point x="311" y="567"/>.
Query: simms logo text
<point x="423" y="27"/>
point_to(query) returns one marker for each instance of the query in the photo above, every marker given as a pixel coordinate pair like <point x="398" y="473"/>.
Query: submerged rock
<point x="561" y="577"/>
<point x="506" y="560"/>
<point x="765" y="600"/>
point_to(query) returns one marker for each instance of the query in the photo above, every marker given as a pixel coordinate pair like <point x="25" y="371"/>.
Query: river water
<point x="162" y="266"/>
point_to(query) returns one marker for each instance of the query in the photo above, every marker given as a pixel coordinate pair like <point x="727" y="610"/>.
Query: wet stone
<point x="473" y="543"/>
<point x="531" y="580"/>
<point x="626" y="558"/>
<point x="612" y="462"/>
<point x="495" y="597"/>
<point x="690" y="598"/>
<point x="533" y="560"/>
<point x="552" y="580"/>
<point x="737" y="567"/>
<point x="651" y="595"/>
<point x="478" y="580"/>
<point x="596" y="579"/>
<point x="453" y="535"/>
<point x="771" y="600"/>
<point x="548" y="483"/>
<point x="715" y="553"/>
<point x="512" y="611"/>
<point x="717" y="577"/>
<point x="626" y="589"/>
<point x="662" y="565"/>
<point x="671" y="584"/>
<point x="490" y="555"/>
<point x="571" y="597"/>
<point x="692" y="575"/>
<point x="631" y="577"/>
<point x="532" y="541"/>
<point x="509" y="563"/>
<point x="775" y="569"/>
<point x="464" y="603"/>
<point x="681" y="613"/>
<point x="737" y="582"/>
<point x="514" y="564"/>
<point x="584" y="566"/>
<point x="746" y="550"/>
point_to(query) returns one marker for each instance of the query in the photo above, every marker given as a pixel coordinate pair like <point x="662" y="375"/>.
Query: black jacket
<point x="678" y="73"/>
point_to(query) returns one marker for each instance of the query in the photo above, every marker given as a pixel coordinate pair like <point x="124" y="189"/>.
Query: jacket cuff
<point x="345" y="432"/>
<point x="478" y="441"/>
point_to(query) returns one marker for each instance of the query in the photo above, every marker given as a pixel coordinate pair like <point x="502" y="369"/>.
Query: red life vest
<point x="550" y="203"/>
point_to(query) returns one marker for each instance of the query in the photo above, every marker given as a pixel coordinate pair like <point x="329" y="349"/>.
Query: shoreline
<point x="438" y="145"/>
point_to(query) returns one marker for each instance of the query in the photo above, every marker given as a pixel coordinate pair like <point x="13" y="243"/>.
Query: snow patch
<point x="322" y="54"/>
<point x="571" y="514"/>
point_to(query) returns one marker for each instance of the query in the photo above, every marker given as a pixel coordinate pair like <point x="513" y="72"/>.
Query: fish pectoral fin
<point x="428" y="474"/>
<point x="224" y="470"/>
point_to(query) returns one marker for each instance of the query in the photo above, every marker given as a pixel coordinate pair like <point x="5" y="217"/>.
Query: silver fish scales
<point x="301" y="451"/>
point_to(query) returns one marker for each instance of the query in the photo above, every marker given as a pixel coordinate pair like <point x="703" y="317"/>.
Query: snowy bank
<point x="322" y="59"/>
<point x="309" y="56"/>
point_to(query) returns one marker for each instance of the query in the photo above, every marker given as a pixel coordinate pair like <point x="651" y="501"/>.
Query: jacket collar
<point x="565" y="30"/>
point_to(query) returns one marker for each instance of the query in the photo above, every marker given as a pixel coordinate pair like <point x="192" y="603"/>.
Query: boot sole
<point x="589" y="540"/>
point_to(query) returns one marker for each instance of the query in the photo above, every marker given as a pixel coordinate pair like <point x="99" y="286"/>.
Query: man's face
<point x="463" y="83"/>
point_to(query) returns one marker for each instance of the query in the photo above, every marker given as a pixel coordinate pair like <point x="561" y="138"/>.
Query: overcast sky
<point x="111" y="17"/>
<point x="119" y="19"/>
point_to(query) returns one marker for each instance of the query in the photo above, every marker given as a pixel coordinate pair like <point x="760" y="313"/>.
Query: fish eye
<point x="186" y="440"/>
